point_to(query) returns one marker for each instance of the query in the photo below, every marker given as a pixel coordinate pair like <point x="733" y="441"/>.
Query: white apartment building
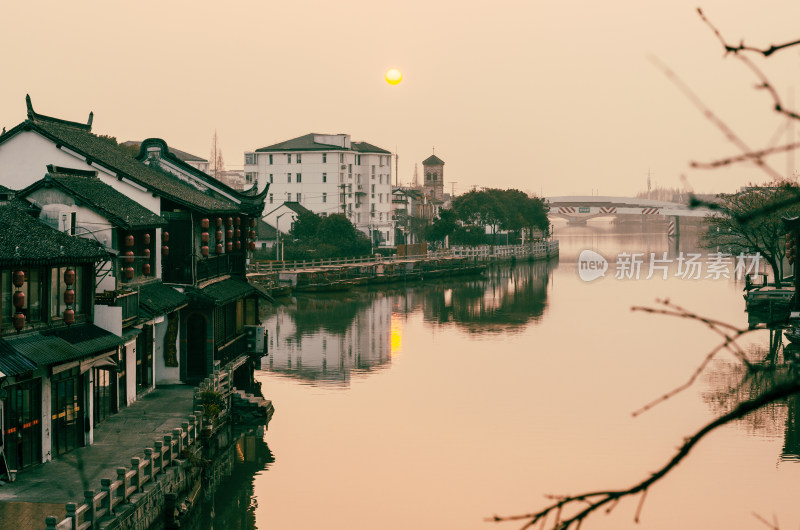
<point x="328" y="174"/>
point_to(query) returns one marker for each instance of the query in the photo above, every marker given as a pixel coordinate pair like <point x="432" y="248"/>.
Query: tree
<point x="443" y="226"/>
<point x="313" y="236"/>
<point x="763" y="234"/>
<point x="511" y="210"/>
<point x="217" y="162"/>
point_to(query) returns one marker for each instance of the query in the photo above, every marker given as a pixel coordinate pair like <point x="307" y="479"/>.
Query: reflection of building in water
<point x="507" y="298"/>
<point x="324" y="338"/>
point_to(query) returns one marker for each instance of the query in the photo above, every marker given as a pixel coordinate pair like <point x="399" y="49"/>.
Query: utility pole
<point x="396" y="172"/>
<point x="453" y="189"/>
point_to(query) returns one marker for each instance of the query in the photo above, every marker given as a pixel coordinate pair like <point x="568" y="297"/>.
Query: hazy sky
<point x="553" y="97"/>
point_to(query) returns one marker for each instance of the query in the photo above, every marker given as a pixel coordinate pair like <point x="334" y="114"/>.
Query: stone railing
<point x="129" y="482"/>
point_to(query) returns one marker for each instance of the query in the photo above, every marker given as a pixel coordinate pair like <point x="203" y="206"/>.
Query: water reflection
<point x="325" y="339"/>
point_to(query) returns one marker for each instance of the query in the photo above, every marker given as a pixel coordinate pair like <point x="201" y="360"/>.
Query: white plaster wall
<point x="165" y="374"/>
<point x="130" y="371"/>
<point x="88" y="400"/>
<point x="47" y="423"/>
<point x="108" y="318"/>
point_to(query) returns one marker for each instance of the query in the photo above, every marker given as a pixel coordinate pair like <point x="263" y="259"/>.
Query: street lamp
<point x="278" y="236"/>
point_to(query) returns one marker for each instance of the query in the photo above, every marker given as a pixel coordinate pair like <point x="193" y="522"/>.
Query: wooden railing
<point x="130" y="481"/>
<point x="537" y="249"/>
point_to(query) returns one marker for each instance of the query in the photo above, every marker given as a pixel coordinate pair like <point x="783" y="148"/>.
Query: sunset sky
<point x="550" y="97"/>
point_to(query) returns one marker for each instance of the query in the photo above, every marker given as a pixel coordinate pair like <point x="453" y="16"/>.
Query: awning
<point x="158" y="299"/>
<point x="222" y="292"/>
<point x="62" y="345"/>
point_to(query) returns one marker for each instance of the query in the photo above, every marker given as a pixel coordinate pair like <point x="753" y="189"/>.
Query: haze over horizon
<point x="558" y="99"/>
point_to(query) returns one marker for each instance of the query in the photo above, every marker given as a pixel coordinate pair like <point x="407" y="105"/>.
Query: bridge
<point x="579" y="209"/>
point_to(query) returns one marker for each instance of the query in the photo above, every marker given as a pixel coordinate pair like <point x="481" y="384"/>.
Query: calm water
<point x="437" y="406"/>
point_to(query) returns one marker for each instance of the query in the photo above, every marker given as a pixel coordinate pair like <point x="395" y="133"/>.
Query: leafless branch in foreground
<point x="745" y="157"/>
<point x="766" y="52"/>
<point x="773" y="526"/>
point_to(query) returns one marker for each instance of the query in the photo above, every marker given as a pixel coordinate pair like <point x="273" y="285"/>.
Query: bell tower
<point x="433" y="174"/>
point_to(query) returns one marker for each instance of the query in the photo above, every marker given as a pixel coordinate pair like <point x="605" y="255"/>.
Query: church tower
<point x="433" y="169"/>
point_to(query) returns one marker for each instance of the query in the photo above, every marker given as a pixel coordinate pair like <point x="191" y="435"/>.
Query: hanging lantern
<point x="19" y="300"/>
<point x="237" y="245"/>
<point x="147" y="239"/>
<point x="128" y="256"/>
<point x="164" y="237"/>
<point x="228" y="234"/>
<point x="204" y="237"/>
<point x="253" y="222"/>
<point x="165" y="250"/>
<point x="19" y="321"/>
<point x="252" y="234"/>
<point x="19" y="278"/>
<point x="218" y="235"/>
<point x="228" y="246"/>
<point x="147" y="253"/>
<point x="129" y="273"/>
<point x="218" y="248"/>
<point x="204" y="251"/>
<point x="129" y="241"/>
<point x="69" y="317"/>
<point x="229" y="222"/>
<point x="69" y="276"/>
<point x="237" y="233"/>
<point x="219" y="222"/>
<point x="238" y="221"/>
<point x="251" y="245"/>
<point x="204" y="224"/>
<point x="146" y="269"/>
<point x="69" y="296"/>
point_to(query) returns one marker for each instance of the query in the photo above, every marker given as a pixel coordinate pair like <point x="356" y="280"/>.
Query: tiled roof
<point x="301" y="143"/>
<point x="99" y="196"/>
<point x="158" y="299"/>
<point x="26" y="240"/>
<point x="433" y="160"/>
<point x="183" y="155"/>
<point x="222" y="292"/>
<point x="78" y="137"/>
<point x="63" y="345"/>
<point x="296" y="207"/>
<point x="364" y="147"/>
<point x="12" y="362"/>
<point x="265" y="230"/>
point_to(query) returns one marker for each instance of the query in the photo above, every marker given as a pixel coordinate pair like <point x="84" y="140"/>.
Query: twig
<point x="745" y="157"/>
<point x="766" y="52"/>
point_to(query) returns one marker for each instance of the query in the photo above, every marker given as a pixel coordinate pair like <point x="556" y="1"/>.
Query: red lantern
<point x="204" y="237"/>
<point x="165" y="250"/>
<point x="229" y="234"/>
<point x="147" y="253"/>
<point x="19" y="300"/>
<point x="237" y="233"/>
<point x="252" y="245"/>
<point x="164" y="237"/>
<point x="229" y="222"/>
<point x="146" y="269"/>
<point x="218" y="248"/>
<point x="253" y="222"/>
<point x="19" y="321"/>
<point x="252" y="234"/>
<point x="219" y="222"/>
<point x="238" y="245"/>
<point x="129" y="241"/>
<point x="69" y="316"/>
<point x="69" y="296"/>
<point x="69" y="276"/>
<point x="204" y="251"/>
<point x="147" y="239"/>
<point x="228" y="246"/>
<point x="218" y="235"/>
<point x="128" y="256"/>
<point x="238" y="221"/>
<point x="19" y="278"/>
<point x="204" y="223"/>
<point x="129" y="273"/>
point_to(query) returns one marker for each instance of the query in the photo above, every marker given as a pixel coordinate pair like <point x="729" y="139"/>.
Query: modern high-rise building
<point x="327" y="174"/>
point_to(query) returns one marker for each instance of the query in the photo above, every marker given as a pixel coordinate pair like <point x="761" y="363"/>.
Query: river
<point x="438" y="405"/>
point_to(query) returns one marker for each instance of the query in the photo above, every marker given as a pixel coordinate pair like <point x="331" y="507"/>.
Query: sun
<point x="393" y="76"/>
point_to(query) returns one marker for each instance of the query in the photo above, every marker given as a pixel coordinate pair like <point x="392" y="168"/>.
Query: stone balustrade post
<point x="71" y="508"/>
<point x="122" y="477"/>
<point x="168" y="454"/>
<point x="50" y="523"/>
<point x="149" y="472"/>
<point x="136" y="480"/>
<point x="185" y="427"/>
<point x="176" y="435"/>
<point x="193" y="422"/>
<point x="105" y="486"/>
<point x="88" y="498"/>
<point x="199" y="415"/>
<point x="158" y="446"/>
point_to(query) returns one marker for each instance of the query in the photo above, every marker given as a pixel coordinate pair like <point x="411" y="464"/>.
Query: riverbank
<point x="116" y="440"/>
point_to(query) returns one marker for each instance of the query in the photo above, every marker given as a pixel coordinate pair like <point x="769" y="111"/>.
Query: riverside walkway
<point x="45" y="489"/>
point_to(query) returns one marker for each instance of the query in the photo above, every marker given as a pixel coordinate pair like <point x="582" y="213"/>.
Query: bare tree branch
<point x="766" y="52"/>
<point x="745" y="157"/>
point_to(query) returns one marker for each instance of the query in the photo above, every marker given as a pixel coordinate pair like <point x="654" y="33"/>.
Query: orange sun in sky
<point x="393" y="76"/>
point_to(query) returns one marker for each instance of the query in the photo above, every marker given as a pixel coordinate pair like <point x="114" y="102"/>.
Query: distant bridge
<point x="579" y="209"/>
